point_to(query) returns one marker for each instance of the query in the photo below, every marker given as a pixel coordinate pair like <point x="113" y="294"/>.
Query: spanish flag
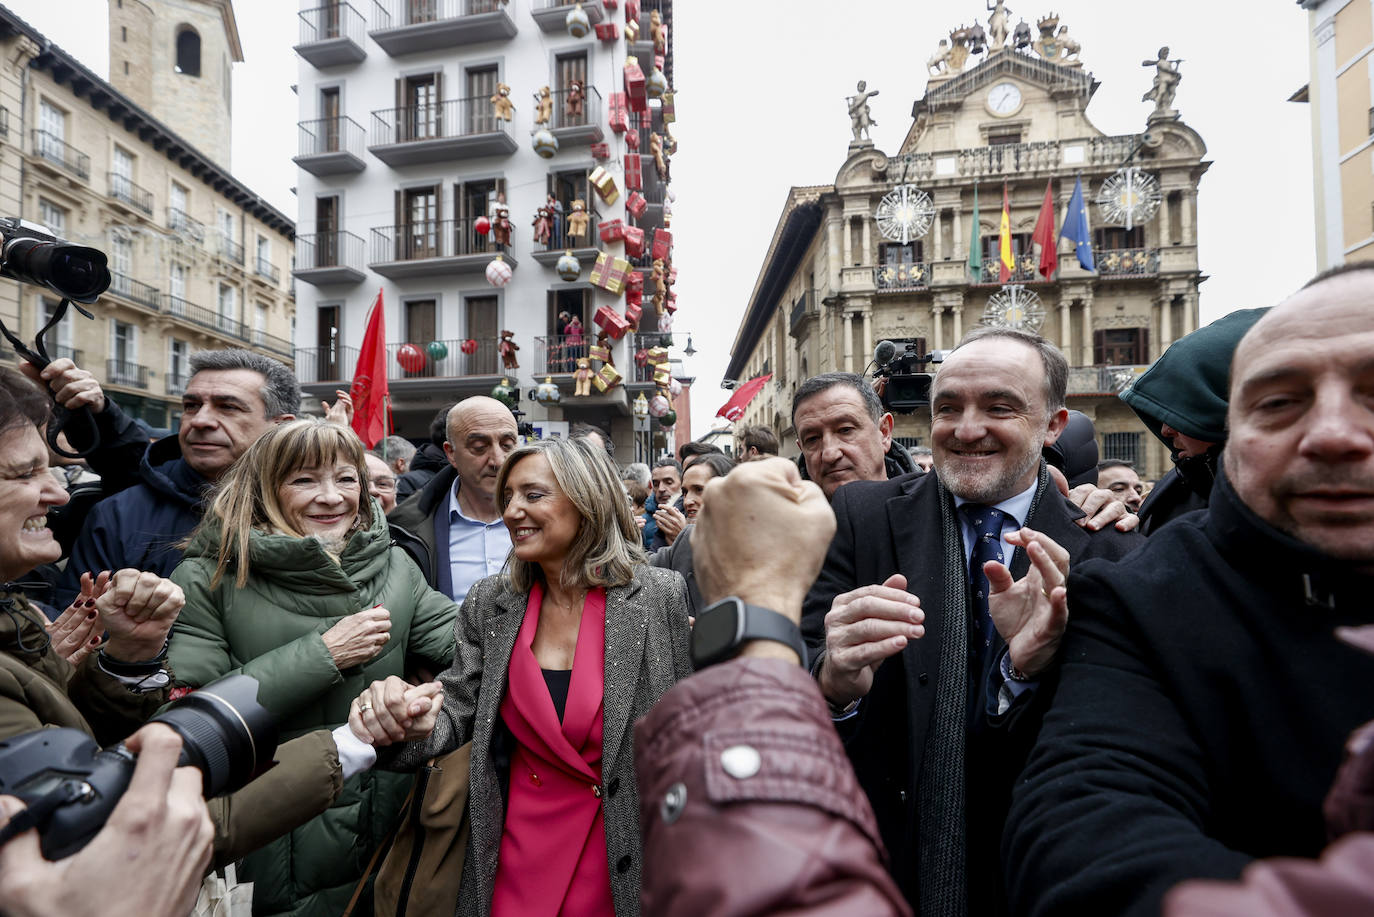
<point x="1004" y="236"/>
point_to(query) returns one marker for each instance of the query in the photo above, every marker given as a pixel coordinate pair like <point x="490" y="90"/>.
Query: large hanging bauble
<point x="658" y="405"/>
<point x="544" y="142"/>
<point x="411" y="358"/>
<point x="668" y="420"/>
<point x="578" y="22"/>
<point x="482" y="225"/>
<point x="468" y="347"/>
<point x="674" y="387"/>
<point x="499" y="272"/>
<point x="437" y="350"/>
<point x="656" y="84"/>
<point x="547" y="393"/>
<point x="568" y="267"/>
<point x="504" y="393"/>
<point x="641" y="407"/>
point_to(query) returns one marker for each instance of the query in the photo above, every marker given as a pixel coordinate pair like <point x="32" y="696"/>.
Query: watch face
<point x="716" y="630"/>
<point x="1004" y="98"/>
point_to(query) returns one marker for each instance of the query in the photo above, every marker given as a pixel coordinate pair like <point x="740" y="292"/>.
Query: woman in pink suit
<point x="557" y="656"/>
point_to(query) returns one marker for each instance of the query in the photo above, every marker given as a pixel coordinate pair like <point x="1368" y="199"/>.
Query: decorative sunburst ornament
<point x="1129" y="197"/>
<point x="904" y="213"/>
<point x="1014" y="306"/>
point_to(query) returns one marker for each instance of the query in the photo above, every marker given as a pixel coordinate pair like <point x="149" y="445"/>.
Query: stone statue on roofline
<point x="997" y="25"/>
<point x="860" y="119"/>
<point x="1165" y="85"/>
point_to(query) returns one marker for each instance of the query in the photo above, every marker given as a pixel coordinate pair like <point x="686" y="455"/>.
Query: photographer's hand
<point x="72" y="387"/>
<point x="147" y="861"/>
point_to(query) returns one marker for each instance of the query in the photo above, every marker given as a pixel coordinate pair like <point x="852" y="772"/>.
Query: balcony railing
<point x="226" y="247"/>
<point x="180" y="221"/>
<point x="429" y="239"/>
<point x="1011" y="159"/>
<point x="266" y="269"/>
<point x="484" y="361"/>
<point x="1128" y="262"/>
<point x="408" y="26"/>
<point x="332" y="34"/>
<point x="123" y="189"/>
<point x="271" y="342"/>
<point x="205" y="318"/>
<point x="118" y="372"/>
<point x="902" y="276"/>
<point x="1101" y="380"/>
<point x="61" y="154"/>
<point x="328" y="146"/>
<point x="559" y="240"/>
<point x="437" y="121"/>
<point x="804" y="305"/>
<point x="559" y="353"/>
<point x="176" y="382"/>
<point x="551" y="15"/>
<point x="124" y="286"/>
<point x="329" y="257"/>
<point x="1025" y="271"/>
<point x="4" y="121"/>
<point x="326" y="364"/>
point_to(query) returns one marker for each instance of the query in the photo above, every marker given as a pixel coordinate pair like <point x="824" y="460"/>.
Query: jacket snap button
<point x="674" y="801"/>
<point x="613" y="787"/>
<point x="596" y="791"/>
<point x="623" y="864"/>
<point x="741" y="761"/>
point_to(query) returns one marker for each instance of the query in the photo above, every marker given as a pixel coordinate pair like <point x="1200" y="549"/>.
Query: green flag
<point x="975" y="243"/>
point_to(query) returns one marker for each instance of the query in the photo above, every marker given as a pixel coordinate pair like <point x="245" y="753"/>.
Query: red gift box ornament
<point x="411" y="358"/>
<point x="607" y="31"/>
<point x="634" y="241"/>
<point x="663" y="242"/>
<point x="634" y="85"/>
<point x="612" y="322"/>
<point x="632" y="140"/>
<point x="641" y="357"/>
<point x="635" y="204"/>
<point x="633" y="314"/>
<point x="468" y="347"/>
<point x="618" y="112"/>
<point x="632" y="11"/>
<point x="634" y="282"/>
<point x="634" y="172"/>
<point x="611" y="230"/>
<point x="601" y="151"/>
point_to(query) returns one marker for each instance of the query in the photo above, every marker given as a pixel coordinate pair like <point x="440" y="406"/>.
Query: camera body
<point x="30" y="254"/>
<point x="904" y="386"/>
<point x="225" y="733"/>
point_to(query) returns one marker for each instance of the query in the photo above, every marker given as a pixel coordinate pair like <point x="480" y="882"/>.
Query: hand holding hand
<point x="71" y="386"/>
<point x="394" y="711"/>
<point x="1101" y="506"/>
<point x="1031" y="614"/>
<point x="670" y="521"/>
<point x="862" y="628"/>
<point x="138" y="609"/>
<point x="76" y="632"/>
<point x="358" y="637"/>
<point x="341" y="411"/>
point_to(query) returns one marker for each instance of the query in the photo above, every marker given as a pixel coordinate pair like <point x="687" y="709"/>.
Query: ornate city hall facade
<point x="889" y="250"/>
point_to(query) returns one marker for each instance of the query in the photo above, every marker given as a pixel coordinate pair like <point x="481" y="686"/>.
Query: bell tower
<point x="173" y="59"/>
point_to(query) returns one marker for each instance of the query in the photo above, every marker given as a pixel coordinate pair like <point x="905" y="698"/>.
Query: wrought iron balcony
<point x="175" y="383"/>
<point x="431" y="247"/>
<point x="180" y="308"/>
<point x="135" y="291"/>
<point x="330" y="146"/>
<point x="226" y="247"/>
<point x="1013" y="159"/>
<point x="265" y="341"/>
<point x="180" y="221"/>
<point x="126" y="192"/>
<point x="1025" y="272"/>
<point x="456" y="129"/>
<point x="326" y="364"/>
<point x="1101" y="380"/>
<point x="560" y="242"/>
<point x="581" y="126"/>
<point x="268" y="271"/>
<point x="332" y="34"/>
<point x="4" y="121"/>
<point x="1128" y="262"/>
<point x="804" y="307"/>
<point x="329" y="257"/>
<point x="408" y="26"/>
<point x="552" y="15"/>
<point x="484" y="361"/>
<point x="559" y="353"/>
<point x="54" y="149"/>
<point x="895" y="278"/>
<point x="132" y="375"/>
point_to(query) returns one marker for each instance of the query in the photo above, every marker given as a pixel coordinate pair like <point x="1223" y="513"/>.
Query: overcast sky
<point x="761" y="87"/>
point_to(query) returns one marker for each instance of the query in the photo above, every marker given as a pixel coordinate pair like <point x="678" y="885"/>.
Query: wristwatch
<point x="723" y="628"/>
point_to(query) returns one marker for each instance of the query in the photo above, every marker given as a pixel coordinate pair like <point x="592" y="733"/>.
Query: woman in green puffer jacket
<point x="292" y="578"/>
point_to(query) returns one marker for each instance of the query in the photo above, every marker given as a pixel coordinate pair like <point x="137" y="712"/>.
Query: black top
<point x="559" y="681"/>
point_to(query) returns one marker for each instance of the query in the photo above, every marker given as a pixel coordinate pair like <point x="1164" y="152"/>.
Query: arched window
<point x="188" y="51"/>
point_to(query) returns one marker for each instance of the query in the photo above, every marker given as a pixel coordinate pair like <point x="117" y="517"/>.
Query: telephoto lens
<point x="76" y="272"/>
<point x="63" y="773"/>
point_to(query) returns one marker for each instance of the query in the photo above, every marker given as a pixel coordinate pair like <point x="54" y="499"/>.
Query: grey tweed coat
<point x="646" y="653"/>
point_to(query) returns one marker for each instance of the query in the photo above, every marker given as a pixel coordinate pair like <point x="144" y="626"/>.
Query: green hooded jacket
<point x="271" y="629"/>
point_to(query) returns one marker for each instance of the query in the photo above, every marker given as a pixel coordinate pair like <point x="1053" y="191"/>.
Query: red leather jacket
<point x="749" y="805"/>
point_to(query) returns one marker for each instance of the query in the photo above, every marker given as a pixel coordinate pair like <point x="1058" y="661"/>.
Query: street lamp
<point x="689" y="350"/>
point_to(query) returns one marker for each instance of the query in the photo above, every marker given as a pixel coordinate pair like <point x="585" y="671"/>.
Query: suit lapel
<point x="497" y="644"/>
<point x="626" y="626"/>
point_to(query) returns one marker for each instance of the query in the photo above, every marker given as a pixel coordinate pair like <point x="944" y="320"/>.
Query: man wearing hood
<point x="232" y="398"/>
<point x="1182" y="400"/>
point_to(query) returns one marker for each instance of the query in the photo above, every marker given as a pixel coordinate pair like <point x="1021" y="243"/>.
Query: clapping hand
<point x="137" y="610"/>
<point x="1031" y="613"/>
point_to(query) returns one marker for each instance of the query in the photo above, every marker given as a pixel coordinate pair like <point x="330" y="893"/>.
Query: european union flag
<point x="1076" y="229"/>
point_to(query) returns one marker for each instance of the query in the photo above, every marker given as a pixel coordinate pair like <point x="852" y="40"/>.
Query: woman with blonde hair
<point x="556" y="658"/>
<point x="291" y="578"/>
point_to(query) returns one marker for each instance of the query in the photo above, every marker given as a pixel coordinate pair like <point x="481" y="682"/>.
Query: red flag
<point x="369" y="389"/>
<point x="1044" y="235"/>
<point x="1005" y="260"/>
<point x="733" y="409"/>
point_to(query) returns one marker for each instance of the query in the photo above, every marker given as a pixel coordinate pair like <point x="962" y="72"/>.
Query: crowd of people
<point x="991" y="676"/>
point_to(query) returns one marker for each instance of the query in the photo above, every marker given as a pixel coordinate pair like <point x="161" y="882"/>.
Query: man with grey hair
<point x="232" y="398"/>
<point x="934" y="669"/>
<point x="397" y="452"/>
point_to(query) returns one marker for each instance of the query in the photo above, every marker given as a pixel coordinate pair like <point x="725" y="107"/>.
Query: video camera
<point x="71" y="785"/>
<point x="898" y="378"/>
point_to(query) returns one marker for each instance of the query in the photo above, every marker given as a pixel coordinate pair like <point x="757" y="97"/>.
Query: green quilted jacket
<point x="271" y="629"/>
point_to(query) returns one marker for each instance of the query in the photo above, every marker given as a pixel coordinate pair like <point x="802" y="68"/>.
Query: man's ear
<point x="1058" y="421"/>
<point x="885" y="425"/>
<point x="448" y="451"/>
<point x="283" y="418"/>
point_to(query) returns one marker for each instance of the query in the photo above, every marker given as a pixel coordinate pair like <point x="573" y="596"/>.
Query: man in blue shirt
<point x="452" y="528"/>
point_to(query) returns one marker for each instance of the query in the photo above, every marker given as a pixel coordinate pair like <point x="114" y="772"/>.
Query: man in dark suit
<point x="935" y="658"/>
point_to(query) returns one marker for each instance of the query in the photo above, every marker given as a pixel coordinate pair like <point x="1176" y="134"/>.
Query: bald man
<point x="452" y="528"/>
<point x="1205" y="700"/>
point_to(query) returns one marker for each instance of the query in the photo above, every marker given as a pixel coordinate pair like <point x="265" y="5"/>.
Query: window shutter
<point x="401" y="117"/>
<point x="1143" y="347"/>
<point x="1099" y="347"/>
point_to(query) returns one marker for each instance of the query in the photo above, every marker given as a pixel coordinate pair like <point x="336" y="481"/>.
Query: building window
<point x="1005" y="138"/>
<point x="481" y="85"/>
<point x="228" y="307"/>
<point x="420" y="111"/>
<point x="420" y="322"/>
<point x="52" y="130"/>
<point x="52" y="216"/>
<point x="480" y="317"/>
<point x="178" y="366"/>
<point x="123" y="349"/>
<point x="58" y="340"/>
<point x="1109" y="237"/>
<point x="178" y="199"/>
<point x="1121" y="346"/>
<point x="188" y="52"/>
<point x="260" y="324"/>
<point x="571" y="68"/>
<point x="327" y="342"/>
<point x="418" y="236"/>
<point x="121" y="255"/>
<point x="176" y="282"/>
<point x="1123" y="447"/>
<point x="264" y="256"/>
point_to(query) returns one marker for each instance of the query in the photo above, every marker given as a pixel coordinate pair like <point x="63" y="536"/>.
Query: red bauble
<point x="482" y="225"/>
<point x="468" y="347"/>
<point x="641" y="357"/>
<point x="411" y="358"/>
